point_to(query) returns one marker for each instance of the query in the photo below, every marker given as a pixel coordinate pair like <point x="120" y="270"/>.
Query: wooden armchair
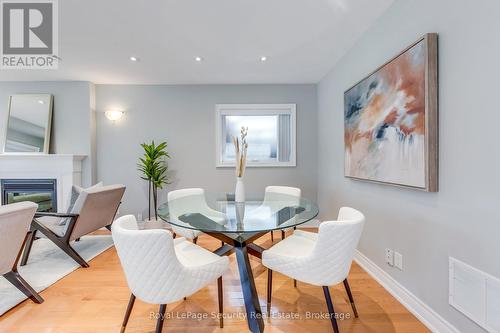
<point x="95" y="208"/>
<point x="14" y="225"/>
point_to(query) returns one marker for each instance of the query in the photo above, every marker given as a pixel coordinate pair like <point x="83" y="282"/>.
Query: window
<point x="271" y="133"/>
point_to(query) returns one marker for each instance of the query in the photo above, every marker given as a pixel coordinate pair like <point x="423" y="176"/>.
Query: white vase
<point x="240" y="212"/>
<point x="239" y="192"/>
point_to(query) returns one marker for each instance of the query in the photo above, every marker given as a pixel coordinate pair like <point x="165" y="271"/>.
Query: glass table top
<point x="211" y="212"/>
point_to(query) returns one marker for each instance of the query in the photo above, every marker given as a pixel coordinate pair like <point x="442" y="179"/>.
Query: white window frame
<point x="255" y="110"/>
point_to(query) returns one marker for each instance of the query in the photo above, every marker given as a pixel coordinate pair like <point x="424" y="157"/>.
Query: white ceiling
<point x="302" y="39"/>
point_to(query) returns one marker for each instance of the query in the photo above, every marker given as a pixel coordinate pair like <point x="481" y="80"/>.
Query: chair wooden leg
<point x="18" y="282"/>
<point x="222" y="243"/>
<point x="195" y="240"/>
<point x="221" y="302"/>
<point x="73" y="254"/>
<point x="127" y="313"/>
<point x="269" y="291"/>
<point x="161" y="318"/>
<point x="27" y="247"/>
<point x="283" y="234"/>
<point x="272" y="236"/>
<point x="62" y="243"/>
<point x="331" y="311"/>
<point x="174" y="235"/>
<point x="294" y="283"/>
<point x="351" y="299"/>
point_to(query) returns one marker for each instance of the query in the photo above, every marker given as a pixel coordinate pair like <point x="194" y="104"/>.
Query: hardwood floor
<point x="94" y="300"/>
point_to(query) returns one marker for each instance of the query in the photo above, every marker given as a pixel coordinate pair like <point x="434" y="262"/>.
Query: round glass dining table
<point x="219" y="213"/>
<point x="238" y="225"/>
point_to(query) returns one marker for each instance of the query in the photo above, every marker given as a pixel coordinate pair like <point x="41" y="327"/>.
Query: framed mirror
<point x="28" y="126"/>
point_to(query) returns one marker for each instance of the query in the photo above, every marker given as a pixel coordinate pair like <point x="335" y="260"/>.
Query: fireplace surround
<point x="50" y="175"/>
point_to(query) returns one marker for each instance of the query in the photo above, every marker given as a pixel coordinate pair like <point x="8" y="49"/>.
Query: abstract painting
<point x="390" y="120"/>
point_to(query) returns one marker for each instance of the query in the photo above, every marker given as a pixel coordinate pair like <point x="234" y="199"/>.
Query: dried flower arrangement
<point x="241" y="151"/>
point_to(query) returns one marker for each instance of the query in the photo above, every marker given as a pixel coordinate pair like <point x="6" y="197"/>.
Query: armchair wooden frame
<point x="63" y="242"/>
<point x="16" y="279"/>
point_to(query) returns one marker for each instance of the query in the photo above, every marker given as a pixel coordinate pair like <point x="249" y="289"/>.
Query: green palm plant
<point x="154" y="169"/>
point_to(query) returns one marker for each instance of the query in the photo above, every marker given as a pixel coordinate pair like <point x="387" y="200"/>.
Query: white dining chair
<point x="321" y="259"/>
<point x="163" y="270"/>
<point x="15" y="221"/>
<point x="274" y="196"/>
<point x="190" y="200"/>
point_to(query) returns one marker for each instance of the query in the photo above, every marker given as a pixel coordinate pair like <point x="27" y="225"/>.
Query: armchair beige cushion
<point x="54" y="224"/>
<point x="96" y="208"/>
<point x="75" y="193"/>
<point x="15" y="221"/>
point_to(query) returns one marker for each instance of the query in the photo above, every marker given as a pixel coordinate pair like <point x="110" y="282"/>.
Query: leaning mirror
<point x="28" y="124"/>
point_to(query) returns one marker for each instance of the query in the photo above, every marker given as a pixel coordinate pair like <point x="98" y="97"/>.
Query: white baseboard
<point x="419" y="309"/>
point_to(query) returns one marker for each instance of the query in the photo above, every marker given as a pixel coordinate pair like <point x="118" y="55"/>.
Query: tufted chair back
<point x="147" y="258"/>
<point x="337" y="241"/>
<point x="153" y="271"/>
<point x="282" y="193"/>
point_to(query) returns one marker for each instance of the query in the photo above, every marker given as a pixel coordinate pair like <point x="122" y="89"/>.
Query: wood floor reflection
<point x="94" y="300"/>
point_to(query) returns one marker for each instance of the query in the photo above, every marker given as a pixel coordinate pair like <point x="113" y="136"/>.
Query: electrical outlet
<point x="389" y="257"/>
<point x="398" y="260"/>
<point x="139" y="217"/>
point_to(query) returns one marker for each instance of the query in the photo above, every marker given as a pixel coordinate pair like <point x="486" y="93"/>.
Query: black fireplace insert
<point x="40" y="191"/>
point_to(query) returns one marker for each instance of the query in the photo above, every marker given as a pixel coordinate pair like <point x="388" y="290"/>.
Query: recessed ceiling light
<point x="41" y="102"/>
<point x="263" y="58"/>
<point x="198" y="59"/>
<point x="134" y="59"/>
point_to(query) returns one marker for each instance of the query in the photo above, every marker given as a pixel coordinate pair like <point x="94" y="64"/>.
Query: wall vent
<point x="476" y="294"/>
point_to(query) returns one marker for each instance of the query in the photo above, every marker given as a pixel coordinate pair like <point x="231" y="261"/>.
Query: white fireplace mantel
<point x="65" y="168"/>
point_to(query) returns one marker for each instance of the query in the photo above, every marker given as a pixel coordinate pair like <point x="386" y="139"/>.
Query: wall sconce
<point x="113" y="115"/>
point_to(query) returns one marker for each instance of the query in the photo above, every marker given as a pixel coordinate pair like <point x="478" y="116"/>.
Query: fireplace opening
<point x="40" y="191"/>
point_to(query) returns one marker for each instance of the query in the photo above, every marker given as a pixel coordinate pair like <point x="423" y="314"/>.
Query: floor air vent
<point x="476" y="294"/>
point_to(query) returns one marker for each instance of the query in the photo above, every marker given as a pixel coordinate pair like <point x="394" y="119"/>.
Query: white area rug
<point x="47" y="264"/>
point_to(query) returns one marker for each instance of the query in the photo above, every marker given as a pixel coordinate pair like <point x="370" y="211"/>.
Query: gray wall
<point x="71" y="122"/>
<point x="462" y="220"/>
<point x="184" y="116"/>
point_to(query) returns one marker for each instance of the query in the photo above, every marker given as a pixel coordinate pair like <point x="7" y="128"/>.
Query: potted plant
<point x="154" y="169"/>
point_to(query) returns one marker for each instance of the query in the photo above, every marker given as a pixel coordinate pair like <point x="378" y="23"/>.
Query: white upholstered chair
<point x="187" y="201"/>
<point x="280" y="194"/>
<point x="15" y="221"/>
<point x="321" y="259"/>
<point x="95" y="208"/>
<point x="162" y="270"/>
